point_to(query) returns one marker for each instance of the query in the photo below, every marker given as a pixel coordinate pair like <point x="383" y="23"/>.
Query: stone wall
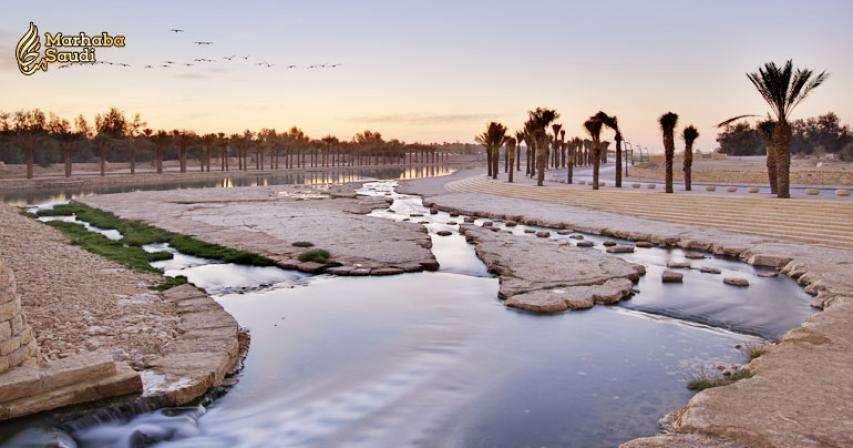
<point x="17" y="345"/>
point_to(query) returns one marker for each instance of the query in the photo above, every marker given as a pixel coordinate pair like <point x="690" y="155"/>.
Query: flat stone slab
<point x="267" y="220"/>
<point x="530" y="280"/>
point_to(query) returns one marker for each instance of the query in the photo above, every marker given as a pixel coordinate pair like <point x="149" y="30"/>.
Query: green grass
<point x="133" y="257"/>
<point x="707" y="381"/>
<point x="316" y="255"/>
<point x="136" y="233"/>
<point x="303" y="244"/>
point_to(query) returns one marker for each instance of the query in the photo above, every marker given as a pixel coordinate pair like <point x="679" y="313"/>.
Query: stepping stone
<point x="415" y="215"/>
<point x="710" y="188"/>
<point x="731" y="189"/>
<point x="671" y="277"/>
<point x="767" y="274"/>
<point x="510" y="224"/>
<point x="469" y="219"/>
<point x="694" y="256"/>
<point x="842" y="192"/>
<point x="812" y="191"/>
<point x="423" y="222"/>
<point x="620" y="249"/>
<point x="581" y="182"/>
<point x="709" y="270"/>
<point x="543" y="234"/>
<point x="740" y="282"/>
<point x="487" y="224"/>
<point x="433" y="211"/>
<point x="576" y="237"/>
<point x="563" y="232"/>
<point x="602" y="184"/>
<point x="584" y="243"/>
<point x="651" y="186"/>
<point x="529" y="231"/>
<point x="753" y="190"/>
<point x="494" y="229"/>
<point x="644" y="244"/>
<point x="635" y="185"/>
<point x="451" y="223"/>
<point x="454" y="215"/>
<point x="609" y="243"/>
<point x="678" y="265"/>
<point x="444" y="233"/>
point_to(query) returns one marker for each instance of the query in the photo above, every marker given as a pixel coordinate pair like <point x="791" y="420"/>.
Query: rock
<point x="454" y="215"/>
<point x="469" y="219"/>
<point x="584" y="243"/>
<point x="694" y="256"/>
<point x="671" y="277"/>
<point x="651" y="186"/>
<point x="710" y="270"/>
<point x="635" y="185"/>
<point x="452" y="223"/>
<point x="543" y="234"/>
<point x="563" y="232"/>
<point x="731" y="189"/>
<point x="433" y="211"/>
<point x="386" y="270"/>
<point x="842" y="192"/>
<point x="768" y="260"/>
<point x="415" y="215"/>
<point x="529" y="231"/>
<point x="510" y="224"/>
<point x="644" y="244"/>
<point x="620" y="249"/>
<point x="423" y="222"/>
<point x="444" y="233"/>
<point x="753" y="190"/>
<point x="734" y="281"/>
<point x="581" y="182"/>
<point x="576" y="237"/>
<point x="609" y="243"/>
<point x="678" y="265"/>
<point x="572" y="297"/>
<point x="767" y="274"/>
<point x="710" y="188"/>
<point x="812" y="191"/>
<point x="487" y="224"/>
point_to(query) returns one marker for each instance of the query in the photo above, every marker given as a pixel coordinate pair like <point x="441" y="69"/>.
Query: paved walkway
<point x="805" y="220"/>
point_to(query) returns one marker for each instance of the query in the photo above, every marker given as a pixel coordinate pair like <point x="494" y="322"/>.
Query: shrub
<point x="315" y="255"/>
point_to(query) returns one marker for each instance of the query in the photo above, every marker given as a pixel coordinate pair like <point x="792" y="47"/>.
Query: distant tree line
<point x="816" y="135"/>
<point x="36" y="138"/>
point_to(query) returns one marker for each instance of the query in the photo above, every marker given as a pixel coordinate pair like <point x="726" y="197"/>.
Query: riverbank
<point x="803" y="379"/>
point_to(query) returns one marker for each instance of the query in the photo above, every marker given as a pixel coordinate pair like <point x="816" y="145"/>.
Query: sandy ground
<point x="76" y="301"/>
<point x="267" y="220"/>
<point x="750" y="170"/>
<point x="801" y="391"/>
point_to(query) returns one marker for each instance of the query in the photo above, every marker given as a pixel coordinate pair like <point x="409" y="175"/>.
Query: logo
<point x="71" y="49"/>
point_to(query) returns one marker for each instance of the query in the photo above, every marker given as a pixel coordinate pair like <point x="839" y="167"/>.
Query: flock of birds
<point x="196" y="61"/>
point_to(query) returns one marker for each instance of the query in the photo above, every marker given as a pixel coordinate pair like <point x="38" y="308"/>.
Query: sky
<point x="433" y="71"/>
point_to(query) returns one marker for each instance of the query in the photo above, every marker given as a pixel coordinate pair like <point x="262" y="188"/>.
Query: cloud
<point x="425" y="119"/>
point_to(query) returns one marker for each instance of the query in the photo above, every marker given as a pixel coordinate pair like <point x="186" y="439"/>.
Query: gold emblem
<point x="27" y="52"/>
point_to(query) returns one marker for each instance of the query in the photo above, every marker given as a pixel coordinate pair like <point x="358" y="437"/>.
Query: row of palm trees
<point x="115" y="138"/>
<point x="782" y="87"/>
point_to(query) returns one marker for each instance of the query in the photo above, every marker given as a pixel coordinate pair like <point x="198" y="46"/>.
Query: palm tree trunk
<point x="495" y="159"/>
<point x="541" y="159"/>
<point x="507" y="165"/>
<point x="596" y="161"/>
<point x="571" y="162"/>
<point x="510" y="153"/>
<point x="782" y="148"/>
<point x="669" y="154"/>
<point x="29" y="149"/>
<point x="618" y="160"/>
<point x="688" y="166"/>
<point x="771" y="167"/>
<point x="103" y="155"/>
<point x="66" y="158"/>
<point x="489" y="160"/>
<point x="132" y="159"/>
<point x="159" y="160"/>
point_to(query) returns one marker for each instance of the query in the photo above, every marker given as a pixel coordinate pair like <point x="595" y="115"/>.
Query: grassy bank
<point x="136" y="234"/>
<point x="129" y="252"/>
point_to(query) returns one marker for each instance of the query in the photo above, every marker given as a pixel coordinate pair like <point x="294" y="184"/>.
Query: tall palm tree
<point x="765" y="128"/>
<point x="668" y="121"/>
<point x="574" y="147"/>
<point x="492" y="139"/>
<point x="593" y="126"/>
<point x="555" y="128"/>
<point x="613" y="123"/>
<point x="519" y="137"/>
<point x="690" y="135"/>
<point x="783" y="88"/>
<point x="562" y="148"/>
<point x="537" y="125"/>
<point x="510" y="150"/>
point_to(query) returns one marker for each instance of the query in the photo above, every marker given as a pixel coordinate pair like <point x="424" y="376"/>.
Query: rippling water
<point x="434" y="359"/>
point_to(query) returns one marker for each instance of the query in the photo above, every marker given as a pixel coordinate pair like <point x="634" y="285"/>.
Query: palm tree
<point x="510" y="150"/>
<point x="574" y="147"/>
<point x="765" y="128"/>
<point x="519" y="137"/>
<point x="562" y="148"/>
<point x="613" y="123"/>
<point x="492" y="139"/>
<point x="690" y="135"/>
<point x="783" y="88"/>
<point x="668" y="121"/>
<point x="593" y="126"/>
<point x="555" y="128"/>
<point x="537" y="123"/>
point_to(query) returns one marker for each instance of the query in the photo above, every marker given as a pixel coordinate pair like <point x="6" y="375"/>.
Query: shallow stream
<point x="434" y="359"/>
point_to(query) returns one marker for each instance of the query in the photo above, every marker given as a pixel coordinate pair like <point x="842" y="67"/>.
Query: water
<point x="434" y="359"/>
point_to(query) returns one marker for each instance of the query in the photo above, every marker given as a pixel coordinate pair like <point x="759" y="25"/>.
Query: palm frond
<point x="668" y="121"/>
<point x="733" y="119"/>
<point x="690" y="134"/>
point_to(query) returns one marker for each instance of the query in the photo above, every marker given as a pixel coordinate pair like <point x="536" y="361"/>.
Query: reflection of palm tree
<point x="668" y="121"/>
<point x="690" y="135"/>
<point x="593" y="126"/>
<point x="783" y="89"/>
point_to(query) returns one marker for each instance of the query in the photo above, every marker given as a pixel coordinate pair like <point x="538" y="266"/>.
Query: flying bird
<point x="336" y="65"/>
<point x="188" y="65"/>
<point x="176" y="30"/>
<point x="168" y="62"/>
<point x="291" y="66"/>
<point x="149" y="66"/>
<point x="203" y="42"/>
<point x="311" y="67"/>
<point x="165" y="66"/>
<point x="124" y="65"/>
<point x="228" y="58"/>
<point x="245" y="58"/>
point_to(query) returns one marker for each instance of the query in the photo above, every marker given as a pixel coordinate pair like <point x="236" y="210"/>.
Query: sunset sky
<point x="433" y="70"/>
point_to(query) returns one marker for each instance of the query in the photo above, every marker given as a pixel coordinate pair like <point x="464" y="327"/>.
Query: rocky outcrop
<point x="532" y="279"/>
<point x="17" y="345"/>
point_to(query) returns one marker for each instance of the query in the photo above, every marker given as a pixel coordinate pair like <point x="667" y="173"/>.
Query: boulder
<point x="842" y="192"/>
<point x="753" y="190"/>
<point x="584" y="243"/>
<point x="444" y="233"/>
<point x="710" y="270"/>
<point x="694" y="256"/>
<point x="543" y="234"/>
<point x="671" y="277"/>
<point x="609" y="243"/>
<point x="731" y="189"/>
<point x="678" y="265"/>
<point x="735" y="281"/>
<point x="620" y="249"/>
